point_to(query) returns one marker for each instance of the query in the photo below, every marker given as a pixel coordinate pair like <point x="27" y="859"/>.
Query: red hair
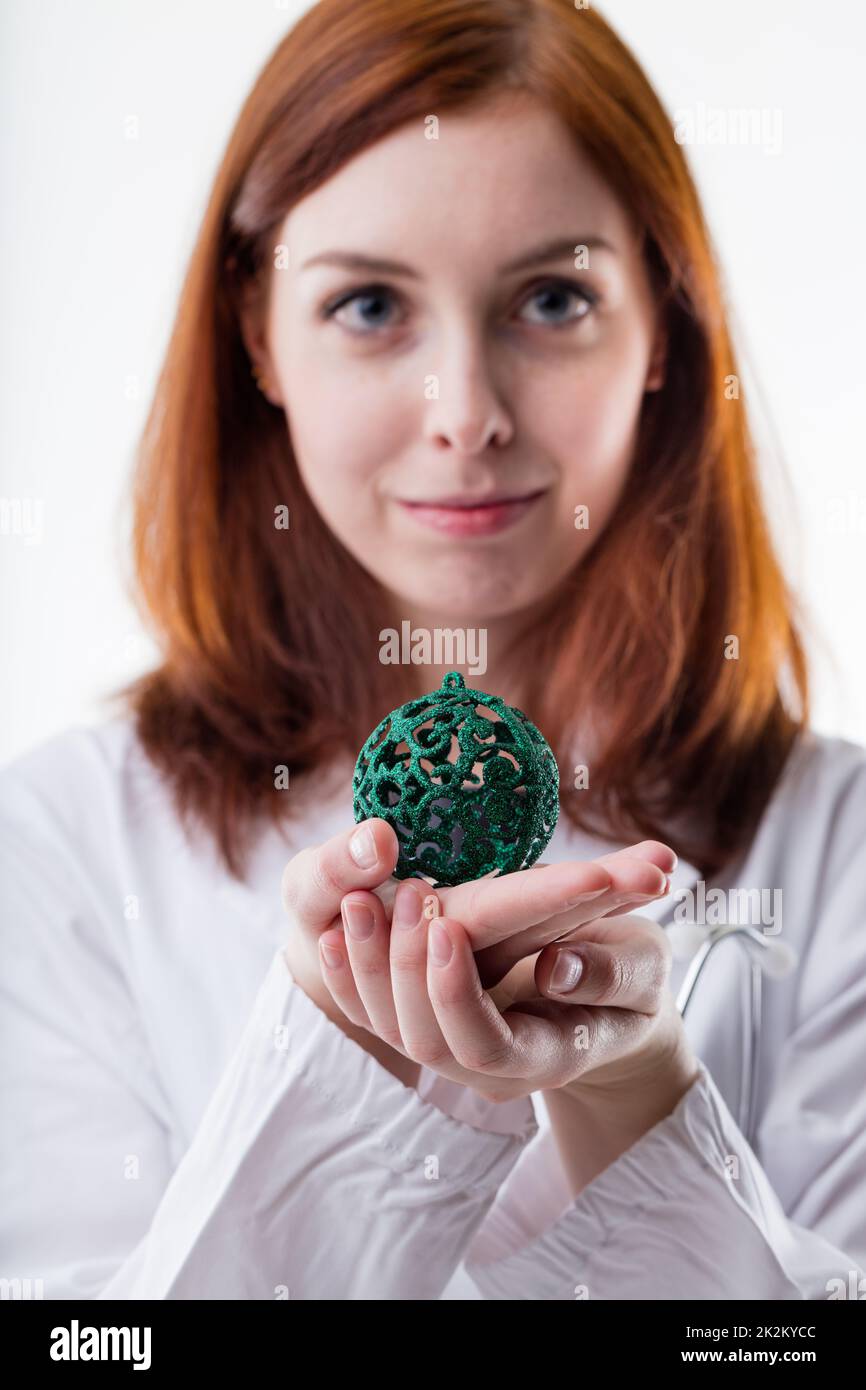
<point x="266" y="646"/>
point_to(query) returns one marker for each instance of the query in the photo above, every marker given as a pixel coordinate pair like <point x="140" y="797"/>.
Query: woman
<point x="536" y="436"/>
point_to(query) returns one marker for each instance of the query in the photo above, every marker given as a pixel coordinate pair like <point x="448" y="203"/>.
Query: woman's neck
<point x="432" y="645"/>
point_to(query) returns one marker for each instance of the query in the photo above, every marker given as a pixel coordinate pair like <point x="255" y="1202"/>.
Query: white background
<point x="97" y="228"/>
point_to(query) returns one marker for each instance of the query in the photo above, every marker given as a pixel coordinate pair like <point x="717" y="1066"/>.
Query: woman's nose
<point x="465" y="410"/>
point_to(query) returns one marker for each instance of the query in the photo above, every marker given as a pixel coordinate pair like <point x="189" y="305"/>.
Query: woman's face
<point x="435" y="356"/>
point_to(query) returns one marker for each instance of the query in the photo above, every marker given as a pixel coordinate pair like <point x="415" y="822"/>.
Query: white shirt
<point x="179" y="1120"/>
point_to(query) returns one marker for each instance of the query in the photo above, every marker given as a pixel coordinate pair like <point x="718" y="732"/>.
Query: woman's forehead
<point x="498" y="182"/>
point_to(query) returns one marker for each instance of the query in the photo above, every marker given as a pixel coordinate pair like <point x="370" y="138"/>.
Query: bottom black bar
<point x="64" y="1337"/>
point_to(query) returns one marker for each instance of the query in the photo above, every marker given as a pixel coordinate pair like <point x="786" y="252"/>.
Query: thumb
<point x="628" y="975"/>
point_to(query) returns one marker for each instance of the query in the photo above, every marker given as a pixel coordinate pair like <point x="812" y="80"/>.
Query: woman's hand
<point x="609" y="1027"/>
<point x="506" y="918"/>
<point x="313" y="885"/>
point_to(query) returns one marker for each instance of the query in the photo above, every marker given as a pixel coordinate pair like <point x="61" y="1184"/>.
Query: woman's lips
<point x="479" y="519"/>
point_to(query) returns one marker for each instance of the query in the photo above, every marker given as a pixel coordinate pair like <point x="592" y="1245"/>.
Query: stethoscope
<point x="766" y="955"/>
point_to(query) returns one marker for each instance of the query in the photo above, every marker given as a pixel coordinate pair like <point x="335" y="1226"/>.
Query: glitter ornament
<point x="468" y="783"/>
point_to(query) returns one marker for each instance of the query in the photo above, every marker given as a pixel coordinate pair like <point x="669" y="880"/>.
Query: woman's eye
<point x="370" y="306"/>
<point x="557" y="291"/>
<point x="371" y="296"/>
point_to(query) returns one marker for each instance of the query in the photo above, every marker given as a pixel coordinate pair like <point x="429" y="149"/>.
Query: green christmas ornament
<point x="468" y="783"/>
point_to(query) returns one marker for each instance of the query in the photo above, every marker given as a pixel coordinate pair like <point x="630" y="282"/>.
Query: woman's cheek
<point x="594" y="470"/>
<point x="345" y="500"/>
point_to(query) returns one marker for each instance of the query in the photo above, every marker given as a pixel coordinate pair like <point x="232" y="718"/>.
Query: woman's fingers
<point x="389" y="993"/>
<point x="629" y="973"/>
<point x="517" y="986"/>
<point x="534" y="1044"/>
<point x="553" y="898"/>
<point x="419" y="1027"/>
<point x="653" y="851"/>
<point x="336" y="970"/>
<point x="381" y="982"/>
<point x="366" y="935"/>
<point x="316" y="880"/>
<point x="474" y="1030"/>
<point x="416" y="984"/>
<point x="493" y="908"/>
<point x="494" y="962"/>
<point x="526" y="910"/>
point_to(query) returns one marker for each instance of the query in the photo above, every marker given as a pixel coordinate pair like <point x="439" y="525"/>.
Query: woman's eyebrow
<point x="551" y="251"/>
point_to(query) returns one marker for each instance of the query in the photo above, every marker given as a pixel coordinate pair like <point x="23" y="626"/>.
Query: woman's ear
<point x="658" y="360"/>
<point x="252" y="317"/>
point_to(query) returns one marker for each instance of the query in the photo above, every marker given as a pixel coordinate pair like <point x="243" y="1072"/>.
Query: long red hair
<point x="267" y="647"/>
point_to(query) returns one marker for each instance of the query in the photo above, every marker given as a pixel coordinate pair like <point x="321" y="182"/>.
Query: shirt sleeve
<point x="687" y="1212"/>
<point x="692" y="1210"/>
<point x="313" y="1173"/>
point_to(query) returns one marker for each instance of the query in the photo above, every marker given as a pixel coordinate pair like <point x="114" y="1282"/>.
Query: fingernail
<point x="440" y="944"/>
<point x="362" y="848"/>
<point x="407" y="907"/>
<point x="358" y="919"/>
<point x="566" y="972"/>
<point x="333" y="959"/>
